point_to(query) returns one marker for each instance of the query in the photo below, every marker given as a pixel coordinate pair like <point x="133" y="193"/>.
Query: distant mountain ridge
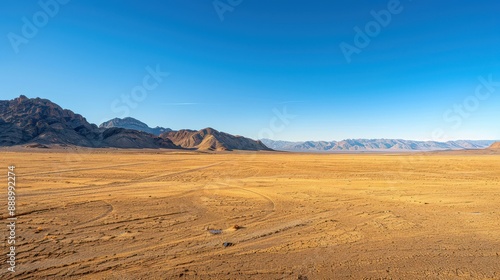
<point x="131" y="123"/>
<point x="211" y="139"/>
<point x="375" y="145"/>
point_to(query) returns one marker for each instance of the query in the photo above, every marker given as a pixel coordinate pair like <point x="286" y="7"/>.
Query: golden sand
<point x="111" y="214"/>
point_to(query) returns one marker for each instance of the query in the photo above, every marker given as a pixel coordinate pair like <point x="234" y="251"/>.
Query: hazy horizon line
<point x="303" y="141"/>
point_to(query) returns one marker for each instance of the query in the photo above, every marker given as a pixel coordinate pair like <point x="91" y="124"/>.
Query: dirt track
<point x="108" y="214"/>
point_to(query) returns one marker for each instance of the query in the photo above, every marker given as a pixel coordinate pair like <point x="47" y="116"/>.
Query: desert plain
<point x="147" y="214"/>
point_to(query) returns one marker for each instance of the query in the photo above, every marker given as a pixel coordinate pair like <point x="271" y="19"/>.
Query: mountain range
<point x="211" y="139"/>
<point x="39" y="122"/>
<point x="375" y="145"/>
<point x="203" y="139"/>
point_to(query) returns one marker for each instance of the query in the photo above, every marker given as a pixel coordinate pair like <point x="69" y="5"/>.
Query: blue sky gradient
<point x="416" y="79"/>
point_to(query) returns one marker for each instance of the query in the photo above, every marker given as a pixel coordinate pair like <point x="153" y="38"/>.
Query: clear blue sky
<point x="234" y="74"/>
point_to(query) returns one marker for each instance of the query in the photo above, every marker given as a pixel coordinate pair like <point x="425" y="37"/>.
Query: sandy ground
<point x="110" y="214"/>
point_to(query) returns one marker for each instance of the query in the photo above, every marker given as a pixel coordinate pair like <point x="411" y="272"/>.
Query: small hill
<point x="213" y="140"/>
<point x="375" y="145"/>
<point x="131" y="123"/>
<point x="495" y="146"/>
<point x="25" y="121"/>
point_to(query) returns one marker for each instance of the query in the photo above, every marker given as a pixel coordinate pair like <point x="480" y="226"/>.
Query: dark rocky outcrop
<point x="40" y="121"/>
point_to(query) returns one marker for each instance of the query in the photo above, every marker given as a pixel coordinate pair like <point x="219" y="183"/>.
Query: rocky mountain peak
<point x="131" y="123"/>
